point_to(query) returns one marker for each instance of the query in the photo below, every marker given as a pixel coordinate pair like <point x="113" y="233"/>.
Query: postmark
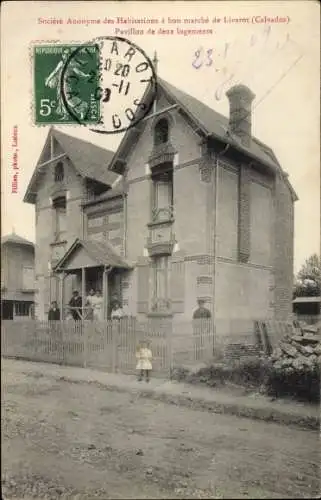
<point x="126" y="85"/>
<point x="81" y="82"/>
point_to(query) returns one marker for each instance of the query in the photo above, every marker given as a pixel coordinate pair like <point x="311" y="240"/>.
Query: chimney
<point x="240" y="98"/>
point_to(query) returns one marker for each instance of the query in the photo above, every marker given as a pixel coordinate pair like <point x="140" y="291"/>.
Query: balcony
<point x="162" y="153"/>
<point x="161" y="239"/>
<point x="165" y="214"/>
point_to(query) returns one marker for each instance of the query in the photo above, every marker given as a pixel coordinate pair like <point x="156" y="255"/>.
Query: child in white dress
<point x="144" y="357"/>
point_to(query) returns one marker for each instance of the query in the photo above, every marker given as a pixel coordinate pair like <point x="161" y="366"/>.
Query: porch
<point x="94" y="265"/>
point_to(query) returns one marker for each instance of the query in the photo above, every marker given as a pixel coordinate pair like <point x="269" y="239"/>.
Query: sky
<point x="273" y="47"/>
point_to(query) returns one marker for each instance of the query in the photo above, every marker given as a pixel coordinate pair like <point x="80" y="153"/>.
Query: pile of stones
<point x="300" y="351"/>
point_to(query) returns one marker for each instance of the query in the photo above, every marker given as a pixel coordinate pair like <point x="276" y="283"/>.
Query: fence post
<point x="169" y="335"/>
<point x="85" y="337"/>
<point x="114" y="338"/>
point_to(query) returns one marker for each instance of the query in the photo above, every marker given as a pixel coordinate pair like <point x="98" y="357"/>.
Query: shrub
<point x="301" y="382"/>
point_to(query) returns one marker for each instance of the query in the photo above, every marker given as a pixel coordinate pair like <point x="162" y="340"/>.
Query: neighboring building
<point x="307" y="308"/>
<point x="17" y="277"/>
<point x="190" y="205"/>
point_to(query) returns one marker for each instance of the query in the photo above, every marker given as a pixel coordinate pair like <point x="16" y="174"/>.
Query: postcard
<point x="160" y="209"/>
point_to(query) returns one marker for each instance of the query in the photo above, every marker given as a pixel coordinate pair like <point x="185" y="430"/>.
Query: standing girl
<point x="144" y="357"/>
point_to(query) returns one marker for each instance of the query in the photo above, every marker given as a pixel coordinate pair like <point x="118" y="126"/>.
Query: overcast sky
<point x="280" y="64"/>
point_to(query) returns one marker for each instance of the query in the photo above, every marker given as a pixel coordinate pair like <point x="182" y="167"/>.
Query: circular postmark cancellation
<point x="110" y="93"/>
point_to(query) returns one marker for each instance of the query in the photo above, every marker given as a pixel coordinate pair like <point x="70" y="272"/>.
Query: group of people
<point x="92" y="310"/>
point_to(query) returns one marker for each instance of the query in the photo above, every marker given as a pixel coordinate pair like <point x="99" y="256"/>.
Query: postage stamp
<point x="81" y="80"/>
<point x="126" y="84"/>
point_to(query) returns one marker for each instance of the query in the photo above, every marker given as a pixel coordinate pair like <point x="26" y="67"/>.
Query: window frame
<point x="169" y="208"/>
<point x="158" y="303"/>
<point x="161" y="135"/>
<point x="59" y="206"/>
<point x="59" y="172"/>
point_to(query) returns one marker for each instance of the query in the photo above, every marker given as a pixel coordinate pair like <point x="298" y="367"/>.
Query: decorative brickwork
<point x="244" y="215"/>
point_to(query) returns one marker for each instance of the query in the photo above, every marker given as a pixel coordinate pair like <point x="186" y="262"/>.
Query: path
<point x="79" y="441"/>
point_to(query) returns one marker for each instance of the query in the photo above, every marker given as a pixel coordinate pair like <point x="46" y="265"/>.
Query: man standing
<point x="201" y="312"/>
<point x="201" y="327"/>
<point x="75" y="305"/>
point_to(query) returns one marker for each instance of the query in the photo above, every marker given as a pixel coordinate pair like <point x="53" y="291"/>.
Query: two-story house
<point x="190" y="205"/>
<point x="17" y="277"/>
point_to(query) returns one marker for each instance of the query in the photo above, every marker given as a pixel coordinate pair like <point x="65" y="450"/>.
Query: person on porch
<point x="90" y="305"/>
<point x="54" y="312"/>
<point x="75" y="305"/>
<point x="116" y="312"/>
<point x="97" y="303"/>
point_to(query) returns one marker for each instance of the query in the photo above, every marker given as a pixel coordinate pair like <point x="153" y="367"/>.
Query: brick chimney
<point x="240" y="98"/>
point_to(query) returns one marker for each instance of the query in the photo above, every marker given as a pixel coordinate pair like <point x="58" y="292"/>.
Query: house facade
<point x="17" y="277"/>
<point x="190" y="206"/>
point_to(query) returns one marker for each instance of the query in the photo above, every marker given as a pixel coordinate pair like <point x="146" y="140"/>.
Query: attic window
<point x="59" y="172"/>
<point x="161" y="132"/>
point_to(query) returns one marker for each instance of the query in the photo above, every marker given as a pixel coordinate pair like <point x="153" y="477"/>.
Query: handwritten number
<point x="197" y="56"/>
<point x="209" y="58"/>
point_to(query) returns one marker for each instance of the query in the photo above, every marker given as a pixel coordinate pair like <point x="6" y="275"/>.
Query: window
<point x="60" y="208"/>
<point x="59" y="172"/>
<point x="160" y="298"/>
<point x="22" y="308"/>
<point x="28" y="278"/>
<point x="161" y="132"/>
<point x="163" y="196"/>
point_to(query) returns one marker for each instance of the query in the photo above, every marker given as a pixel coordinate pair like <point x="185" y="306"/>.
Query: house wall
<point x="260" y="286"/>
<point x="48" y="288"/>
<point x="189" y="208"/>
<point x="283" y="249"/>
<point x="14" y="258"/>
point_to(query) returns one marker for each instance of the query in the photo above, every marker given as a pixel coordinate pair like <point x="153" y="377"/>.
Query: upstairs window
<point x="163" y="196"/>
<point x="60" y="218"/>
<point x="160" y="295"/>
<point x="161" y="132"/>
<point x="59" y="172"/>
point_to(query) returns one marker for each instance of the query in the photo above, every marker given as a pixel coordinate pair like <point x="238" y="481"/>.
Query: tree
<point x="308" y="280"/>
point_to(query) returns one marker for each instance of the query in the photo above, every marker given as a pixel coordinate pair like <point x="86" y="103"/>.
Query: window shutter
<point x="177" y="281"/>
<point x="143" y="274"/>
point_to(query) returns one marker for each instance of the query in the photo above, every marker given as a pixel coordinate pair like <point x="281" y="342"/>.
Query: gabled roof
<point x="217" y="124"/>
<point x="211" y="123"/>
<point x="16" y="239"/>
<point x="89" y="160"/>
<point x="102" y="252"/>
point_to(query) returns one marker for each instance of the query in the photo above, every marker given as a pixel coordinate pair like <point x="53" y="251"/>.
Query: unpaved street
<point x="78" y="441"/>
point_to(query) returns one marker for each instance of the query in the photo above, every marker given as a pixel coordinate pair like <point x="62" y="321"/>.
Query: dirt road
<point x="77" y="441"/>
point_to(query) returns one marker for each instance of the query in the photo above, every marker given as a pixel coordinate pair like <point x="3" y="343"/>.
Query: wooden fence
<point x="111" y="345"/>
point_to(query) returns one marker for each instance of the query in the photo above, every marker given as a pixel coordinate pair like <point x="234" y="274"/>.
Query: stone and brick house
<point x="17" y="277"/>
<point x="190" y="205"/>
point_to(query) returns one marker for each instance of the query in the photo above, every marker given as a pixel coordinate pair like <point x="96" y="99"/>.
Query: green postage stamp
<point x="60" y="76"/>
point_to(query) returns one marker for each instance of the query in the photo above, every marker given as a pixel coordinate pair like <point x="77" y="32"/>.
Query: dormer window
<point x="161" y="132"/>
<point x="59" y="172"/>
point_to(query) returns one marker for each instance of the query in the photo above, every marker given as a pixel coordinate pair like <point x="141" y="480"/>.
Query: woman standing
<point x="97" y="302"/>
